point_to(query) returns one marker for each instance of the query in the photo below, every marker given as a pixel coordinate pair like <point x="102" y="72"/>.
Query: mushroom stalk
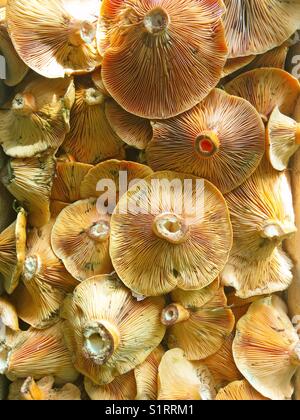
<point x="207" y="143"/>
<point x="156" y="21"/>
<point x="99" y="231"/>
<point x="32" y="267"/>
<point x="173" y="314"/>
<point x="82" y="33"/>
<point x="170" y="227"/>
<point x="4" y="357"/>
<point x="274" y="231"/>
<point x="24" y="104"/>
<point x="296" y="355"/>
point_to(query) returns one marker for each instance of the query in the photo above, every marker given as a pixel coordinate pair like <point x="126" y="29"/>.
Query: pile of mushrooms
<point x="104" y="304"/>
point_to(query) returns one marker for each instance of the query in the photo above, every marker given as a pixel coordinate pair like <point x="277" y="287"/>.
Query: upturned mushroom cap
<point x="38" y="353"/>
<point x="283" y="138"/>
<point x="221" y="135"/>
<point x="80" y="238"/>
<point x="179" y="379"/>
<point x="240" y="391"/>
<point x="161" y="38"/>
<point x="44" y="281"/>
<point x="30" y="182"/>
<point x="91" y="138"/>
<point x="254" y="27"/>
<point x="8" y="318"/>
<point x="265" y="89"/>
<point x="55" y="38"/>
<point x="146" y="376"/>
<point x="12" y="252"/>
<point x="37" y="117"/>
<point x="107" y="330"/>
<point x="121" y="388"/>
<point x="234" y="64"/>
<point x="206" y="324"/>
<point x="266" y="348"/>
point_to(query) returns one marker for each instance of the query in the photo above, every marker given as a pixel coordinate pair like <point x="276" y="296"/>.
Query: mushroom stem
<point x="156" y="21"/>
<point x="207" y="143"/>
<point x="99" y="231"/>
<point x="93" y="97"/>
<point x="24" y="104"/>
<point x="4" y="357"/>
<point x="274" y="231"/>
<point x="82" y="33"/>
<point x="297" y="135"/>
<point x="101" y="340"/>
<point x="170" y="227"/>
<point x="296" y="355"/>
<point x="173" y="314"/>
<point x="32" y="267"/>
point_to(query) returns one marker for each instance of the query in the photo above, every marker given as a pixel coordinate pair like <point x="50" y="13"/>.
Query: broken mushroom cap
<point x="80" y="238"/>
<point x="107" y="330"/>
<point x="198" y="321"/>
<point x="36" y="119"/>
<point x="56" y="38"/>
<point x="67" y="180"/>
<point x="179" y="379"/>
<point x="283" y="138"/>
<point x="30" y="182"/>
<point x="240" y="391"/>
<point x="91" y="138"/>
<point x="123" y="174"/>
<point x="146" y="376"/>
<point x="161" y="39"/>
<point x="44" y="281"/>
<point x="12" y="252"/>
<point x="251" y="27"/>
<point x="222" y="134"/>
<point x="265" y="89"/>
<point x="266" y="348"/>
<point x="161" y="240"/>
<point x="38" y="353"/>
<point x="121" y="388"/>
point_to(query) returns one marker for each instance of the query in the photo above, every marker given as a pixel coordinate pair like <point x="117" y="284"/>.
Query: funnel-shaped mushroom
<point x="198" y="322"/>
<point x="162" y="57"/>
<point x="55" y="38"/>
<point x="80" y="238"/>
<point x="146" y="376"/>
<point x="121" y="388"/>
<point x="12" y="252"/>
<point x="240" y="391"/>
<point x="109" y="332"/>
<point x="266" y="348"/>
<point x="37" y="118"/>
<point x="222" y="139"/>
<point x="254" y="27"/>
<point x="170" y="231"/>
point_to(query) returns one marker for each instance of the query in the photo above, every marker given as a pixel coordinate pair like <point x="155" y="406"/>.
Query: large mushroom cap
<point x="55" y="38"/>
<point x="267" y="349"/>
<point x="240" y="391"/>
<point x="171" y="230"/>
<point x="162" y="57"/>
<point x="256" y="26"/>
<point x="221" y="139"/>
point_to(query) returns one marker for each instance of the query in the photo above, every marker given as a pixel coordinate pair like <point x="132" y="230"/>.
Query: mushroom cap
<point x="146" y="375"/>
<point x="266" y="88"/>
<point x="8" y="316"/>
<point x="265" y="348"/>
<point x="283" y="139"/>
<point x="252" y="27"/>
<point x="275" y="58"/>
<point x="91" y="138"/>
<point x="221" y="135"/>
<point x="44" y="281"/>
<point x="30" y="182"/>
<point x="113" y="170"/>
<point x="55" y="38"/>
<point x="238" y="63"/>
<point x="80" y="238"/>
<point x="160" y="38"/>
<point x="12" y="252"/>
<point x="208" y="325"/>
<point x="133" y="329"/>
<point x="37" y="118"/>
<point x="240" y="391"/>
<point x="160" y="240"/>
<point x="121" y="388"/>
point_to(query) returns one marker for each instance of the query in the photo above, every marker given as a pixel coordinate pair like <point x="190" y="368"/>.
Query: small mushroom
<point x="121" y="388"/>
<point x="146" y="376"/>
<point x="240" y="391"/>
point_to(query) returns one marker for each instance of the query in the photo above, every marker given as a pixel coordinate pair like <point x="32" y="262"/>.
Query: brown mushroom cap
<point x="240" y="391"/>
<point x="161" y="38"/>
<point x="146" y="376"/>
<point x="254" y="27"/>
<point x="238" y="63"/>
<point x="222" y="139"/>
<point x="121" y="388"/>
<point x="57" y="37"/>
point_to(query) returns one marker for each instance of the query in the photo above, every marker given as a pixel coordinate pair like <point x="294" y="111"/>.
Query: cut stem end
<point x="156" y="21"/>
<point x="207" y="144"/>
<point x="173" y="314"/>
<point x="170" y="227"/>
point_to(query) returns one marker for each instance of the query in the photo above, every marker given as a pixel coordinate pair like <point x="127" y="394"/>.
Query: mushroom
<point x="198" y="321"/>
<point x="240" y="391"/>
<point x="170" y="231"/>
<point x="44" y="281"/>
<point x="107" y="330"/>
<point x="12" y="252"/>
<point x="37" y="118"/>
<point x="146" y="376"/>
<point x="9" y="323"/>
<point x="121" y="388"/>
<point x="55" y="38"/>
<point x="251" y="27"/>
<point x="146" y="48"/>
<point x="238" y="63"/>
<point x="266" y="348"/>
<point x="262" y="217"/>
<point x="80" y="238"/>
<point x="221" y="135"/>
